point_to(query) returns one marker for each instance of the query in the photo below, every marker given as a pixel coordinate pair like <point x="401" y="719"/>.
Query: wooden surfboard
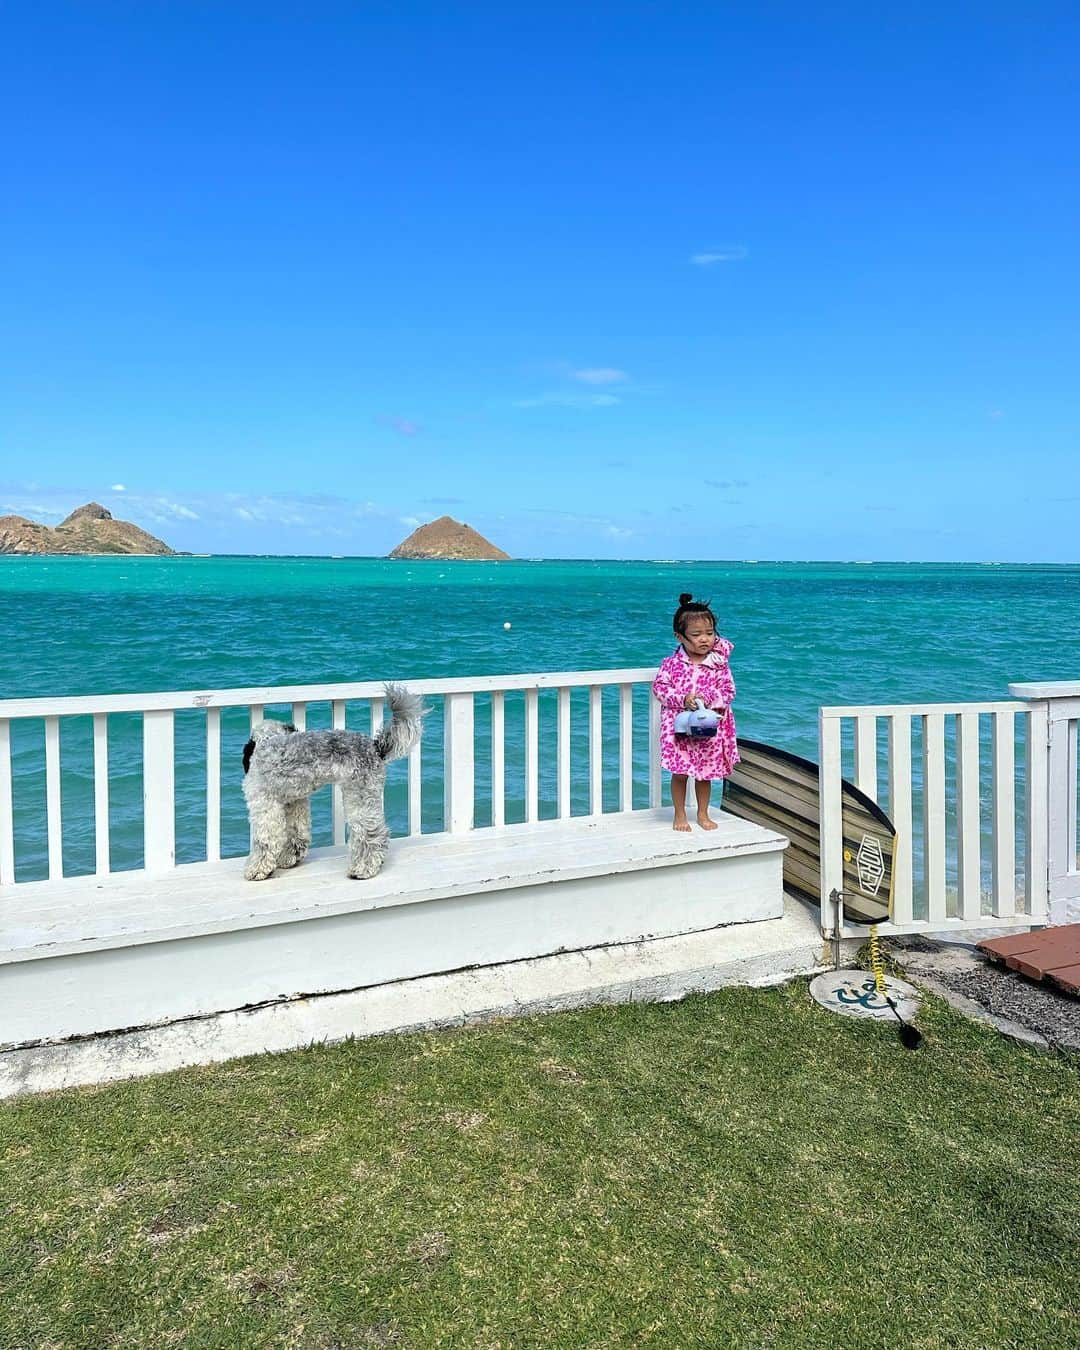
<point x="779" y="790"/>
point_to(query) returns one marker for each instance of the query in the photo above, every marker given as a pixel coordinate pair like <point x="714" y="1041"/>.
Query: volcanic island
<point x="448" y="540"/>
<point x="89" y="529"/>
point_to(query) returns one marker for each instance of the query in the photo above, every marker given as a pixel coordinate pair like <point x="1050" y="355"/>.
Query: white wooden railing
<point x="624" y="757"/>
<point x="987" y="832"/>
<point x="971" y="851"/>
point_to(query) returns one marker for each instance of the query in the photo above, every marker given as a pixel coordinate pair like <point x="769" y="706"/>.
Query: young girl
<point x="697" y="669"/>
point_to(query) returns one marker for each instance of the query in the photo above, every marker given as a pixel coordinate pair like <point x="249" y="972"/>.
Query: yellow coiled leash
<point x="909" y="1036"/>
<point x="877" y="965"/>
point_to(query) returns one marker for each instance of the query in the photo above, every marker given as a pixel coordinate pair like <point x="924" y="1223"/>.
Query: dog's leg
<point x="268" y="835"/>
<point x="368" y="835"/>
<point x="298" y="829"/>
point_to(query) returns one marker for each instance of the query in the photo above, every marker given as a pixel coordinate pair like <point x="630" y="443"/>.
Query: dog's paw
<point x="365" y="873"/>
<point x="294" y="858"/>
<point x="258" y="871"/>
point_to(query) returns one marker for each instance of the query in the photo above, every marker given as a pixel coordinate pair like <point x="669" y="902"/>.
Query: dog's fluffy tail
<point x="398" y="736"/>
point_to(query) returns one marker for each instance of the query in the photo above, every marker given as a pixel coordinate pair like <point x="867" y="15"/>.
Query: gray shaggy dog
<point x="285" y="766"/>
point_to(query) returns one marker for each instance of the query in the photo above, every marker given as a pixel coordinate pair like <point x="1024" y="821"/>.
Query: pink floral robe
<point x="704" y="757"/>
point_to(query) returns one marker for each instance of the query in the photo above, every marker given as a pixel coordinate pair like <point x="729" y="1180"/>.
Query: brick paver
<point x="1049" y="954"/>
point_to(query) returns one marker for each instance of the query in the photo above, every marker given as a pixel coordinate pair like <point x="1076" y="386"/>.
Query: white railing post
<point x="1003" y="861"/>
<point x="866" y="769"/>
<point x="101" y="794"/>
<point x="655" y="777"/>
<point x="337" y="809"/>
<point x="1037" y="765"/>
<point x="900" y="811"/>
<point x="1053" y="872"/>
<point x="968" y="821"/>
<point x="563" y="753"/>
<point x="7" y="814"/>
<point x="498" y="757"/>
<point x="416" y="786"/>
<point x="213" y="784"/>
<point x="532" y="755"/>
<point x="1062" y="776"/>
<point x="53" y="798"/>
<point x="1063" y="879"/>
<point x="159" y="805"/>
<point x="458" y="769"/>
<point x="626" y="747"/>
<point x="596" y="750"/>
<point x="933" y="739"/>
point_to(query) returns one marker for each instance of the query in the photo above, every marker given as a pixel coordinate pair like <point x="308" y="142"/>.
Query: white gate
<point x="966" y="788"/>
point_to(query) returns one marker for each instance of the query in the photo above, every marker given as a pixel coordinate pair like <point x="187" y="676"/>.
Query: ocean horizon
<point x="805" y="633"/>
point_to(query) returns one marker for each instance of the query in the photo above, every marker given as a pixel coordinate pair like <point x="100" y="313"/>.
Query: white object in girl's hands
<point x="699" y="721"/>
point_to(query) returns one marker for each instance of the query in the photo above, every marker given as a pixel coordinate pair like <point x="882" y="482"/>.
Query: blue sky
<point x="633" y="280"/>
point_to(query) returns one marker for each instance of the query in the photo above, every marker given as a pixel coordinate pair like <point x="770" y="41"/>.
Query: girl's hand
<point x="690" y="702"/>
<point x="721" y="709"/>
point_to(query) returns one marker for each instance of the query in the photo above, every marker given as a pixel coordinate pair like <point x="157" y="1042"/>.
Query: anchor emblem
<point x="865" y="996"/>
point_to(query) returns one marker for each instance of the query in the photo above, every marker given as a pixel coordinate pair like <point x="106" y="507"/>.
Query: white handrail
<point x="920" y="709"/>
<point x="1045" y="689"/>
<point x="70" y="706"/>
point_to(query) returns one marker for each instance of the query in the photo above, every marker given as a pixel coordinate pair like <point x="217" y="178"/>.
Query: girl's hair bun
<point x="690" y="608"/>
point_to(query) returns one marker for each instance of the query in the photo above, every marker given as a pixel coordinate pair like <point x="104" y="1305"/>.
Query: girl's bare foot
<point x="705" y="823"/>
<point x="681" y="824"/>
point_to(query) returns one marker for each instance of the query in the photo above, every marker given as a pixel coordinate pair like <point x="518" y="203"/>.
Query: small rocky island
<point x="89" y="529"/>
<point x="448" y="540"/>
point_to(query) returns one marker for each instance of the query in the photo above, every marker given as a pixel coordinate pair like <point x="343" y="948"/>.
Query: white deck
<point x="128" y="908"/>
<point x="135" y="949"/>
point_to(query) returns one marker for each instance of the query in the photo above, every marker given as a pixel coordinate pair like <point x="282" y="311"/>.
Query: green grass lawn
<point x="738" y="1169"/>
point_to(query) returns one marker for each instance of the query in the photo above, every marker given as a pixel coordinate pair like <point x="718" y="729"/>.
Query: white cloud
<point x="160" y="508"/>
<point x="573" y="522"/>
<point x="601" y="375"/>
<point x="118" y="487"/>
<point x="564" y="400"/>
<point x="721" y="253"/>
<point x="37" y="511"/>
<point x="366" y="509"/>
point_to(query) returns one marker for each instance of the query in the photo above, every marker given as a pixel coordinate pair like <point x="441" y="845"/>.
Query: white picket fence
<point x="986" y="860"/>
<point x="985" y="809"/>
<point x="356" y="705"/>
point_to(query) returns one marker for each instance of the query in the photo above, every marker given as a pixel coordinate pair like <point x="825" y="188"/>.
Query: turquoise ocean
<point x="805" y="634"/>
